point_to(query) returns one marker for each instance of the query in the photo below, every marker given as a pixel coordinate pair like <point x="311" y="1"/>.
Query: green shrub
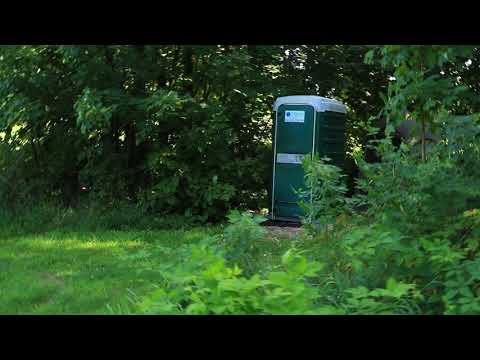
<point x="206" y="285"/>
<point x="241" y="240"/>
<point x="323" y="198"/>
<point x="423" y="196"/>
<point x="462" y="289"/>
<point x="396" y="298"/>
<point x="418" y="225"/>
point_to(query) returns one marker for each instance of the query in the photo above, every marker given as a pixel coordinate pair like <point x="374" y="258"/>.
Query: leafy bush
<point x="462" y="289"/>
<point x="241" y="240"/>
<point x="325" y="192"/>
<point x="209" y="286"/>
<point x="396" y="298"/>
<point x="408" y="245"/>
<point x="205" y="282"/>
<point x="421" y="196"/>
<point x="418" y="224"/>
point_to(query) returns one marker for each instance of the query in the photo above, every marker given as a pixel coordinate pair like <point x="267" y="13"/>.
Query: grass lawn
<point x="73" y="272"/>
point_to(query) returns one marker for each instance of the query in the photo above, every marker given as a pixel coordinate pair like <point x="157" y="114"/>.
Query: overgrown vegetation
<point x="414" y="250"/>
<point x="174" y="129"/>
<point x="406" y="243"/>
<point x="138" y="140"/>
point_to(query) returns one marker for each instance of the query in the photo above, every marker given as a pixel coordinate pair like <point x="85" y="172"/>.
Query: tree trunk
<point x="114" y="126"/>
<point x="115" y="133"/>
<point x="131" y="128"/>
<point x="188" y="68"/>
<point x="424" y="149"/>
<point x="35" y="154"/>
<point x="131" y="138"/>
<point x="71" y="187"/>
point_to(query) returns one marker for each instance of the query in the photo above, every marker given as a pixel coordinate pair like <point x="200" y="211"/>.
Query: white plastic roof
<point x="320" y="104"/>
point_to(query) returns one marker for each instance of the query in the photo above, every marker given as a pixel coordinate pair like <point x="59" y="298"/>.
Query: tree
<point x="174" y="128"/>
<point x="422" y="89"/>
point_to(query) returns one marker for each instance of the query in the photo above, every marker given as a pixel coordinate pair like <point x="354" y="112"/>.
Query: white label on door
<point x="290" y="158"/>
<point x="295" y="116"/>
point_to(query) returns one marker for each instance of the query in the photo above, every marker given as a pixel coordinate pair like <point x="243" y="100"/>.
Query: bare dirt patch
<point x="51" y="279"/>
<point x="283" y="231"/>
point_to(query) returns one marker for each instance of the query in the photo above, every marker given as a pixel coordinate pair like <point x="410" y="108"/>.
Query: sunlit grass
<point x="74" y="272"/>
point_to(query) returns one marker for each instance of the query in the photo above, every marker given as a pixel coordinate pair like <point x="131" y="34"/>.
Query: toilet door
<point x="294" y="129"/>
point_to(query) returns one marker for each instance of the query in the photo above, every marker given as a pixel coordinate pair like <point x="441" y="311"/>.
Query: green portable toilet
<point x="303" y="125"/>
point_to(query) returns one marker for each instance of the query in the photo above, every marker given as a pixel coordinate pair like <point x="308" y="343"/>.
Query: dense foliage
<point x="174" y="129"/>
<point x="407" y="243"/>
<point x="186" y="130"/>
